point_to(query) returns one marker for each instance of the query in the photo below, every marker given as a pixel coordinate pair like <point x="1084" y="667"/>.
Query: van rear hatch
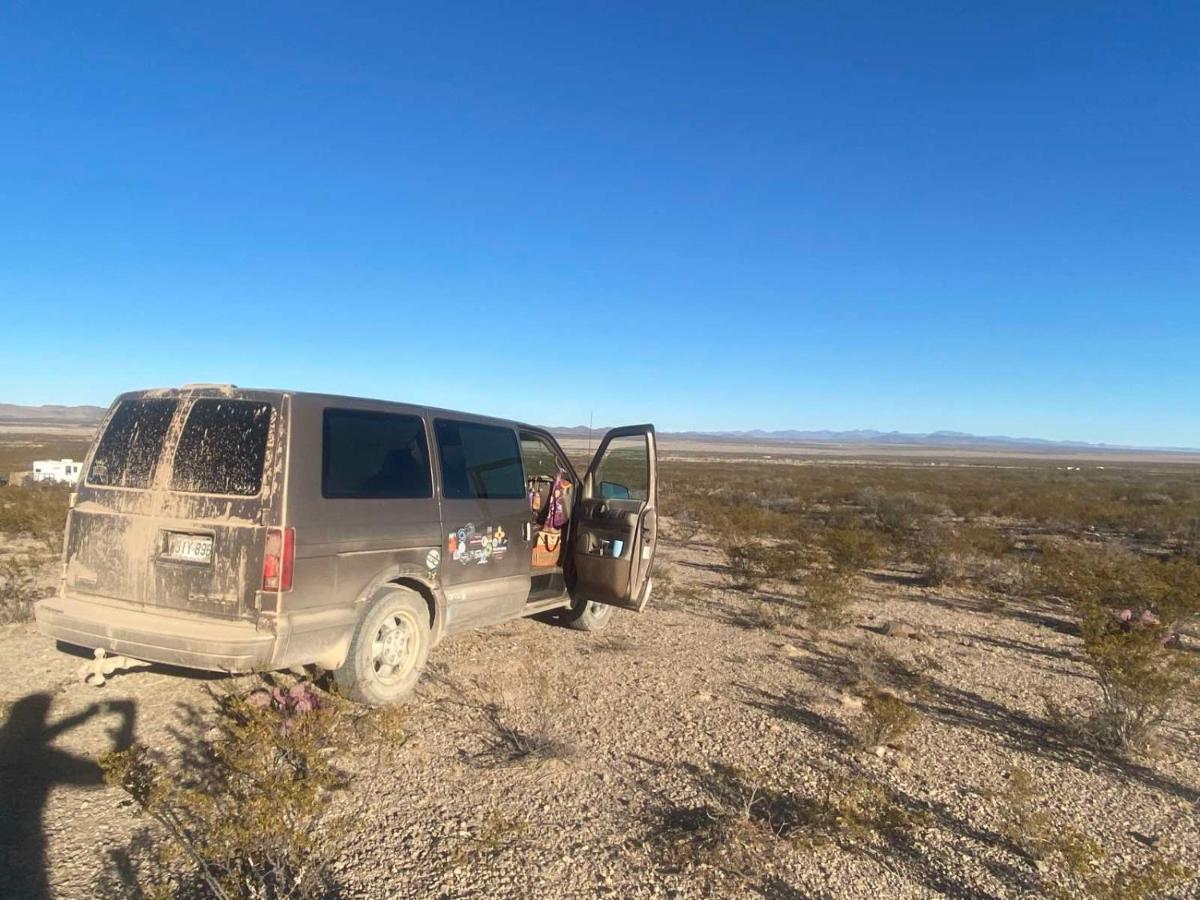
<point x="172" y="510"/>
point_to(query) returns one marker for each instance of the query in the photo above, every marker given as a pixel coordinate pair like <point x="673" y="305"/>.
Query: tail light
<point x="278" y="560"/>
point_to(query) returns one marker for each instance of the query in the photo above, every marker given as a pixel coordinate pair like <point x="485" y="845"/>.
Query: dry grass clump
<point x="511" y="734"/>
<point x="747" y="820"/>
<point x="1069" y="862"/>
<point x="246" y="816"/>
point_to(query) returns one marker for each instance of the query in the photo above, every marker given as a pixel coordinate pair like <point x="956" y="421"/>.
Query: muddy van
<point x="242" y="530"/>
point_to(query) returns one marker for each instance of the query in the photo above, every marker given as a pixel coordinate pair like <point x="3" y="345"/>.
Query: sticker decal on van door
<point x="477" y="545"/>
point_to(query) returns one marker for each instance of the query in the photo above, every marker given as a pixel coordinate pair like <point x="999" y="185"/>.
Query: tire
<point x="388" y="651"/>
<point x="588" y="616"/>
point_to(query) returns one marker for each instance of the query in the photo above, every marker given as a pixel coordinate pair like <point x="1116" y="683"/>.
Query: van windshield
<point x="222" y="448"/>
<point x="129" y="450"/>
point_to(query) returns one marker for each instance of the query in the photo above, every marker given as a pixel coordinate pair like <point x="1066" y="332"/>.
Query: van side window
<point x="132" y="443"/>
<point x="222" y="448"/>
<point x="482" y="461"/>
<point x="375" y="455"/>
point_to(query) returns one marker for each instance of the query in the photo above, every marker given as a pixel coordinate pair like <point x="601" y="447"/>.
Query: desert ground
<point x="856" y="679"/>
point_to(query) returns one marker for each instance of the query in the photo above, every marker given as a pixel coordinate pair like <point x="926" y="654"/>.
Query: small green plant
<point x="885" y="719"/>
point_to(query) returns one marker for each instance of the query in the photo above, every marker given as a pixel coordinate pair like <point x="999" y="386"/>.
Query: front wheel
<point x="388" y="651"/>
<point x="588" y="616"/>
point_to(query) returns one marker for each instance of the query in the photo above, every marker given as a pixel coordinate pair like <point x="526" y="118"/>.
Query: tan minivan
<point x="252" y="530"/>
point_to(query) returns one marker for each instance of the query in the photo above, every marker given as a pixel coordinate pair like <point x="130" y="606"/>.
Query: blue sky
<point x="907" y="216"/>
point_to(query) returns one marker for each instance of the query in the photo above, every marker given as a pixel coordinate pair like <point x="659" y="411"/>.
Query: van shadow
<point x="30" y="768"/>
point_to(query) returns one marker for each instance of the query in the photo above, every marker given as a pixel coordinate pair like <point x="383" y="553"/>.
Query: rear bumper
<point x="120" y="628"/>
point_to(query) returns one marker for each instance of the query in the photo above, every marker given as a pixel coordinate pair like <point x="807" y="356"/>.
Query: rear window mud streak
<point x="221" y="446"/>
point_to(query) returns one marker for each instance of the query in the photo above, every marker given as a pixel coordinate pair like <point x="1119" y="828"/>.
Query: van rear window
<point x="129" y="449"/>
<point x="374" y="455"/>
<point x="222" y="448"/>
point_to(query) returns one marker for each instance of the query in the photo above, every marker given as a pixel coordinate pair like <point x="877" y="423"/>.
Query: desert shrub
<point x="247" y="818"/>
<point x="852" y="549"/>
<point x="1127" y="608"/>
<point x="747" y="820"/>
<point x="19" y="588"/>
<point x="767" y="614"/>
<point x="894" y="512"/>
<point x="938" y="555"/>
<point x="1069" y="860"/>
<point x="826" y="597"/>
<point x="39" y="510"/>
<point x="982" y="540"/>
<point x="885" y="719"/>
<point x="750" y="564"/>
<point x="509" y="733"/>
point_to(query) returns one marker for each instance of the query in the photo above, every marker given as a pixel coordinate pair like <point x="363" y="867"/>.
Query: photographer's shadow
<point x="30" y="767"/>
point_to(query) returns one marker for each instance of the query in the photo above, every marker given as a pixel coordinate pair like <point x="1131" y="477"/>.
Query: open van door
<point x="615" y="526"/>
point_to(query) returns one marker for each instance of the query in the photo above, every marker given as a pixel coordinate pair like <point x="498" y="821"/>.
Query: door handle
<point x="527" y="532"/>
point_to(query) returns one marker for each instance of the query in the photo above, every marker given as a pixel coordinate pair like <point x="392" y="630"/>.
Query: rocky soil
<point x="651" y="732"/>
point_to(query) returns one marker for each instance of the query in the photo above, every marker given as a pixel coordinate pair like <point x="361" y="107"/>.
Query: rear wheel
<point x="388" y="651"/>
<point x="588" y="616"/>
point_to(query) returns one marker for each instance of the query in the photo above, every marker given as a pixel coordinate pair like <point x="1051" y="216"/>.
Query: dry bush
<point x="851" y="549"/>
<point x="897" y="513"/>
<point x="827" y="598"/>
<point x="939" y="557"/>
<point x="39" y="510"/>
<point x="748" y="820"/>
<point x="885" y="720"/>
<point x="511" y="735"/>
<point x="497" y="832"/>
<point x="1070" y="863"/>
<point x="767" y="614"/>
<point x="1127" y="607"/>
<point x="19" y="589"/>
<point x="750" y="564"/>
<point x="248" y="818"/>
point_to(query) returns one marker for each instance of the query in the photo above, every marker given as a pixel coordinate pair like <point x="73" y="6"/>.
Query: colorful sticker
<point x="480" y="546"/>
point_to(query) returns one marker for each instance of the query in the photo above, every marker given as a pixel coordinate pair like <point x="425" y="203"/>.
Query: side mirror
<point x="610" y="490"/>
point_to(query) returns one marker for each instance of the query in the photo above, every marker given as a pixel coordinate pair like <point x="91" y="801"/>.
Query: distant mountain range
<point x="91" y="415"/>
<point x="57" y="415"/>
<point x="868" y="437"/>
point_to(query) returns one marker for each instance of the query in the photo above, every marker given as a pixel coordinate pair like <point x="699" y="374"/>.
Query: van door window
<point x="222" y="448"/>
<point x="129" y="449"/>
<point x="479" y="461"/>
<point x="624" y="471"/>
<point x="374" y="455"/>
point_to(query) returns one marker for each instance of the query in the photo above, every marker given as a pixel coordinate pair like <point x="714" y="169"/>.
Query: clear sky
<point x="913" y="216"/>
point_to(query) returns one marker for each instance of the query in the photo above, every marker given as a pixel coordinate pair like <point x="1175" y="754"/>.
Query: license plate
<point x="195" y="548"/>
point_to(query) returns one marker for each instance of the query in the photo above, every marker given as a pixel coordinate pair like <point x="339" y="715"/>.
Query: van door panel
<point x="484" y="563"/>
<point x="616" y="527"/>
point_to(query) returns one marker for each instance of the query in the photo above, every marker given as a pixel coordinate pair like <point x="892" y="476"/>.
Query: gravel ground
<point x="653" y="727"/>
